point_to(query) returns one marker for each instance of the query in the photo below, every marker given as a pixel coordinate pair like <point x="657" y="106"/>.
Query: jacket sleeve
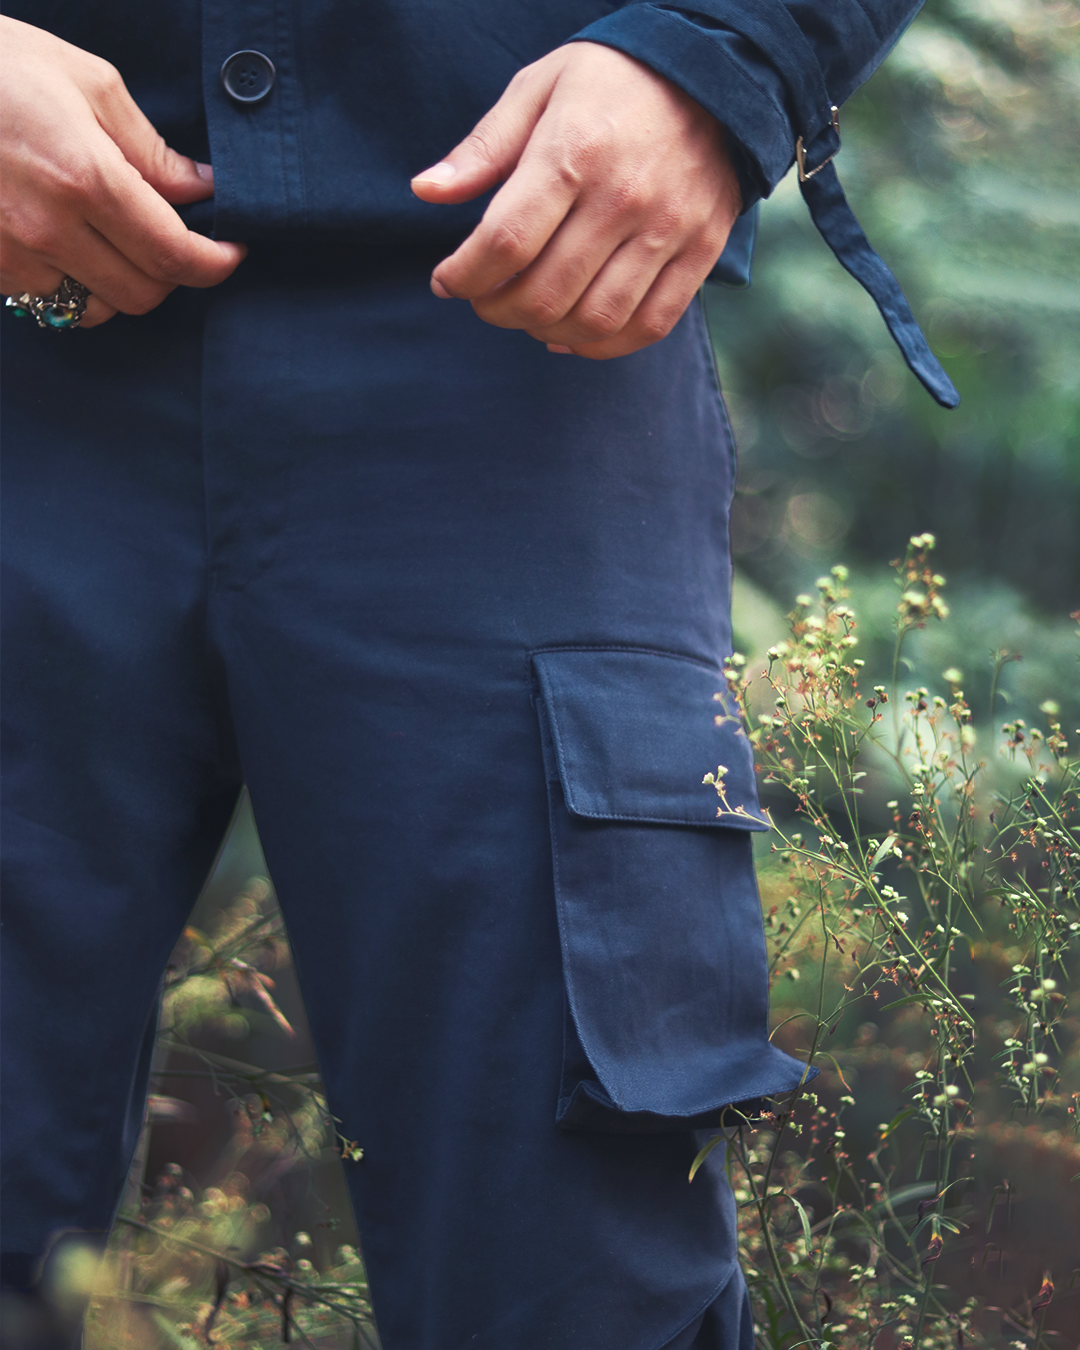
<point x="775" y="73"/>
<point x="770" y="71"/>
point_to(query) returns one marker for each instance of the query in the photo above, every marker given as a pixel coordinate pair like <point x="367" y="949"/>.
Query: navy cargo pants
<point x="453" y="608"/>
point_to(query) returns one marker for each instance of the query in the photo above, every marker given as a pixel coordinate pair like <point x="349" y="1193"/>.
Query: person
<point x="446" y="585"/>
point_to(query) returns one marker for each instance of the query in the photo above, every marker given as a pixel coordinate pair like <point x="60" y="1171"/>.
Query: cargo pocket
<point x="659" y="919"/>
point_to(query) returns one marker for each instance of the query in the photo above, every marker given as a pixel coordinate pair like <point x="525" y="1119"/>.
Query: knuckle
<point x="596" y="323"/>
<point x="704" y="226"/>
<point x="539" y="311"/>
<point x="508" y="243"/>
<point x="161" y="159"/>
<point x="521" y="79"/>
<point x="104" y="79"/>
<point x="585" y="145"/>
<point x="485" y="142"/>
<point x="74" y="179"/>
<point x="171" y="262"/>
<point x="657" y="325"/>
<point x="654" y="243"/>
<point x="667" y="221"/>
<point x="81" y="184"/>
<point x="630" y="198"/>
<point x="575" y="156"/>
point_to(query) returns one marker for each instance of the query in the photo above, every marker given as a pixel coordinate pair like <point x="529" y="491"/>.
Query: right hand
<point x="86" y="185"/>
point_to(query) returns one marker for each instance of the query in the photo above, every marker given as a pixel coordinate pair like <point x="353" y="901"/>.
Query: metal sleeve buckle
<point x="800" y="152"/>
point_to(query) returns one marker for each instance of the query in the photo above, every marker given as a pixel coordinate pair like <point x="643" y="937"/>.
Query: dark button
<point x="248" y="77"/>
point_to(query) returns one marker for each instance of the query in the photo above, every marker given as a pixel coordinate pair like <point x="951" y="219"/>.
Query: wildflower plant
<point x="902" y="911"/>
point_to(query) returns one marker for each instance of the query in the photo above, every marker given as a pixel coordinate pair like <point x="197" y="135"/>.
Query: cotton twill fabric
<point x="314" y="536"/>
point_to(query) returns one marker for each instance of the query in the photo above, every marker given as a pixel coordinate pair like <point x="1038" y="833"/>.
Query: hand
<point x="618" y="195"/>
<point x="87" y="185"/>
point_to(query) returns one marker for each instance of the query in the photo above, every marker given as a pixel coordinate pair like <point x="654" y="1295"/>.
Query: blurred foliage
<point x="922" y="911"/>
<point x="960" y="160"/>
<point x="191" y="1261"/>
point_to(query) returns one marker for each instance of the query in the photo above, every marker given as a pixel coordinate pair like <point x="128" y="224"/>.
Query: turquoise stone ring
<point x="63" y="309"/>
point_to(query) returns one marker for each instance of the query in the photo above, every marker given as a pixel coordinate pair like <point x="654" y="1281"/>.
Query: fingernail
<point x="437" y="288"/>
<point x="204" y="171"/>
<point x="561" y="351"/>
<point x="440" y="174"/>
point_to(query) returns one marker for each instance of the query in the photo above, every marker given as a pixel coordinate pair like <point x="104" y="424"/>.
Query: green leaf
<point x="895" y="1124"/>
<point x="696" y="1164"/>
<point x="804" y="1219"/>
<point x="919" y="1190"/>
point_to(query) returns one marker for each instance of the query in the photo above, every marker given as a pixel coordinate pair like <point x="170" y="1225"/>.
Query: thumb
<point x="490" y="152"/>
<point x="174" y="177"/>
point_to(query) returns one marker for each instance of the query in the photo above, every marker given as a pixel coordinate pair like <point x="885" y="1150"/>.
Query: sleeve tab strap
<point x="772" y="28"/>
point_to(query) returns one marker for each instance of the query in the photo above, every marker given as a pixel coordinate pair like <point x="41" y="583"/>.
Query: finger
<point x="523" y="216"/>
<point x="491" y="150"/>
<point x="112" y="278"/>
<point x="30" y="275"/>
<point x="77" y="250"/>
<point x="542" y="295"/>
<point x="134" y="218"/>
<point x="614" y="294"/>
<point x="64" y="244"/>
<point x="659" y="311"/>
<point x="26" y="272"/>
<point x="175" y="177"/>
<point x="96" y="313"/>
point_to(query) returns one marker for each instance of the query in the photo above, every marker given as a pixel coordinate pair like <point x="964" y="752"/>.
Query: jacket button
<point x="248" y="77"/>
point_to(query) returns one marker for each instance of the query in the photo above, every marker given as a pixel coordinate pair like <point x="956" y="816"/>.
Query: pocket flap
<point x="634" y="732"/>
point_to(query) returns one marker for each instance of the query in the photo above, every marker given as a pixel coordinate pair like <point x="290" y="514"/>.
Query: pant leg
<point x="727" y="1323"/>
<point x="400" y="510"/>
<point x="451" y="499"/>
<point x="119" y="777"/>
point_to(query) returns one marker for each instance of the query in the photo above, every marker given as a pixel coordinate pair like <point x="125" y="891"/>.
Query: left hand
<point x="618" y="195"/>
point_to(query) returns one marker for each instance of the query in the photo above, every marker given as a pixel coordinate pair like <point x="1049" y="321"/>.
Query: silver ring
<point x="63" y="309"/>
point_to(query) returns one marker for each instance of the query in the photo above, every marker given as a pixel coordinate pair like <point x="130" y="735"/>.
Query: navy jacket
<point x="366" y="96"/>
